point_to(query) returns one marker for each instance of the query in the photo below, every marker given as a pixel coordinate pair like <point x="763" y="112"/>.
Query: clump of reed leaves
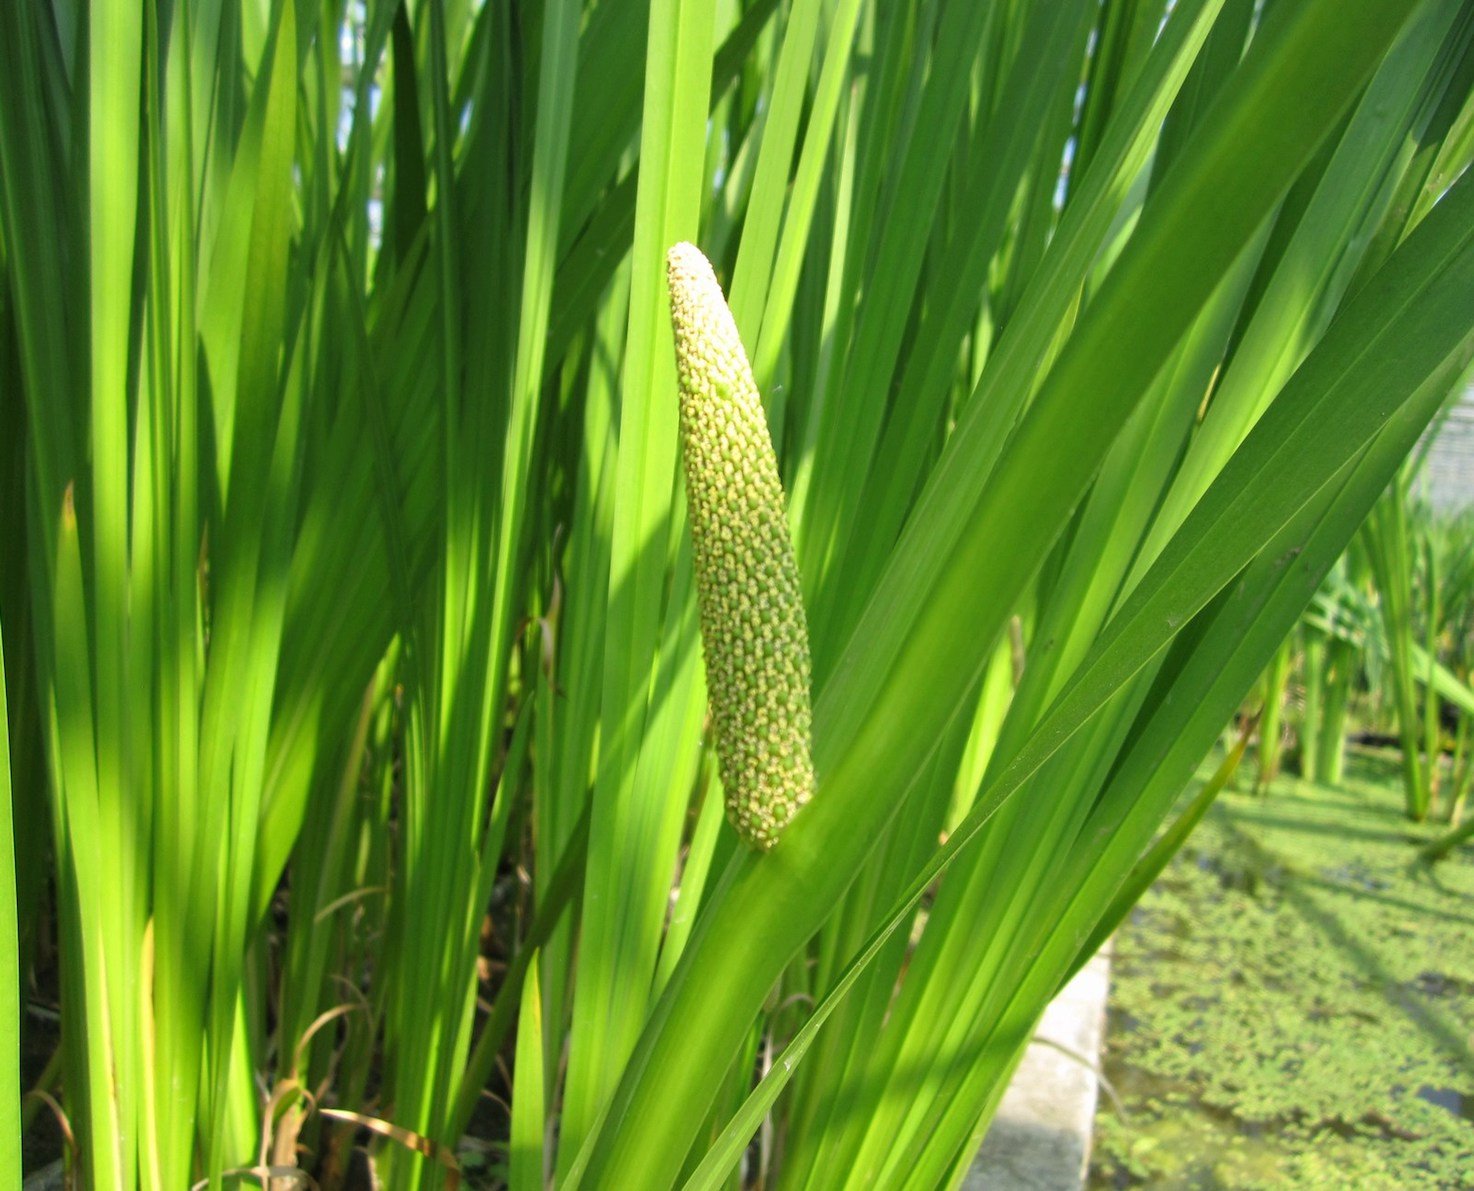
<point x="1386" y="648"/>
<point x="356" y="702"/>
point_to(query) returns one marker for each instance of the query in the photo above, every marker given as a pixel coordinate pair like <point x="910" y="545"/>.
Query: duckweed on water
<point x="1293" y="1003"/>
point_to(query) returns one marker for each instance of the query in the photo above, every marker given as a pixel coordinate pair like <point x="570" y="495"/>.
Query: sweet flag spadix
<point x="754" y="633"/>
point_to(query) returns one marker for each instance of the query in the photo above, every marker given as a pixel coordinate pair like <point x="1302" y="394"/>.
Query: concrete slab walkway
<point x="1040" y="1139"/>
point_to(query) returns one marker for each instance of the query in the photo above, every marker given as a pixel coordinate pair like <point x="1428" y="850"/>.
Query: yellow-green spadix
<point x="753" y="630"/>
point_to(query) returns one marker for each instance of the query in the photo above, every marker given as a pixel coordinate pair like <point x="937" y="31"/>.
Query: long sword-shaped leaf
<point x="9" y="967"/>
<point x="631" y="848"/>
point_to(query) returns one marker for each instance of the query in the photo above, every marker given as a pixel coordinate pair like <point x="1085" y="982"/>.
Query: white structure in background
<point x="1449" y="475"/>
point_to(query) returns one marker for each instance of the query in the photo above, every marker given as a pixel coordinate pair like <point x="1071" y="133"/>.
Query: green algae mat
<point x="1293" y="1002"/>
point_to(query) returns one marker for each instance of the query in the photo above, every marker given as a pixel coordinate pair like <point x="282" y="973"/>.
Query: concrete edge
<point x="1040" y="1138"/>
